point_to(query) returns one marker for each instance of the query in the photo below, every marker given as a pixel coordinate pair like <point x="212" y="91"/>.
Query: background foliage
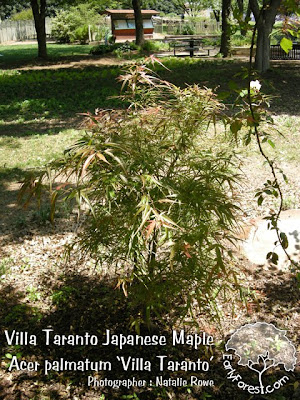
<point x="72" y="24"/>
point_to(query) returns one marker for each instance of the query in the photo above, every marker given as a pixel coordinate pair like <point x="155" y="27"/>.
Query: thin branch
<point x="264" y="155"/>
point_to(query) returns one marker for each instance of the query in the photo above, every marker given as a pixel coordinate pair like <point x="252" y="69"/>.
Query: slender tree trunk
<point x="217" y="15"/>
<point x="246" y="20"/>
<point x="225" y="38"/>
<point x="265" y="19"/>
<point x="139" y="29"/>
<point x="248" y="13"/>
<point x="39" y="14"/>
<point x="240" y="4"/>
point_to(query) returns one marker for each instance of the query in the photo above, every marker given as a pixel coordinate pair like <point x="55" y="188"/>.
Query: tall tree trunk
<point x="139" y="29"/>
<point x="262" y="57"/>
<point x="39" y="14"/>
<point x="265" y="19"/>
<point x="225" y="38"/>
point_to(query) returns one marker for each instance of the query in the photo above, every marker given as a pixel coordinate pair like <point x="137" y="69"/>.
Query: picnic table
<point x="189" y="43"/>
<point x="277" y="53"/>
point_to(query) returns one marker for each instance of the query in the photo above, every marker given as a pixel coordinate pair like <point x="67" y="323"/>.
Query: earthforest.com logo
<point x="260" y="347"/>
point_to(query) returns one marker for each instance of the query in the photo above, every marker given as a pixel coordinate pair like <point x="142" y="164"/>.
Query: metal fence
<point x="276" y="53"/>
<point x="12" y="31"/>
<point x="176" y="27"/>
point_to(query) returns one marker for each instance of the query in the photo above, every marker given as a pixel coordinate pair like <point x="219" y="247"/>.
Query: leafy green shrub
<point x="23" y="15"/>
<point x="151" y="46"/>
<point x="81" y="34"/>
<point x="211" y="42"/>
<point x="63" y="27"/>
<point x="238" y="39"/>
<point x="160" y="190"/>
<point x="102" y="49"/>
<point x="188" y="29"/>
<point x="124" y="48"/>
<point x="116" y="47"/>
<point x="121" y="49"/>
<point x="72" y="24"/>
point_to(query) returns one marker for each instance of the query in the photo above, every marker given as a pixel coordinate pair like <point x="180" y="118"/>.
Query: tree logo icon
<point x="260" y="346"/>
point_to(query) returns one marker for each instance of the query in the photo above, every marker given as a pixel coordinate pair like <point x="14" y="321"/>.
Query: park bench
<point x="190" y="44"/>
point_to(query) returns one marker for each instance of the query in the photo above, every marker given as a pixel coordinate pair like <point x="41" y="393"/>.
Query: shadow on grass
<point x="31" y="61"/>
<point x="17" y="56"/>
<point x="83" y="303"/>
<point x="60" y="94"/>
<point x="32" y="128"/>
<point x="279" y="82"/>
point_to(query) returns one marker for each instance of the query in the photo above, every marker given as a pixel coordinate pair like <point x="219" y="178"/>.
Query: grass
<point x="30" y="95"/>
<point x="35" y="94"/>
<point x="32" y="101"/>
<point x="21" y="54"/>
<point x="35" y="150"/>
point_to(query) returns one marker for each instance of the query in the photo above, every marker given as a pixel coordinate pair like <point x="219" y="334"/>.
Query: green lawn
<point x="38" y="106"/>
<point x="35" y="150"/>
<point x="56" y="93"/>
<point x="17" y="55"/>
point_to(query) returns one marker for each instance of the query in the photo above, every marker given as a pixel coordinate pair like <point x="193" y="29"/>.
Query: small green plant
<point x="20" y="222"/>
<point x="33" y="293"/>
<point x="205" y="395"/>
<point x="5" y="265"/>
<point x="289" y="203"/>
<point x="42" y="215"/>
<point x="211" y="42"/>
<point x="122" y="49"/>
<point x="133" y="396"/>
<point x="63" y="295"/>
<point x="25" y="266"/>
<point x="17" y="315"/>
<point x="12" y="351"/>
<point x="238" y="39"/>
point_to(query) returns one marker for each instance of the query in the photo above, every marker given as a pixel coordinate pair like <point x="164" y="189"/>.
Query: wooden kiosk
<point x="123" y="23"/>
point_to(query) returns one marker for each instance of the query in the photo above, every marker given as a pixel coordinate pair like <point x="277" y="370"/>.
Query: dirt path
<point x="89" y="61"/>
